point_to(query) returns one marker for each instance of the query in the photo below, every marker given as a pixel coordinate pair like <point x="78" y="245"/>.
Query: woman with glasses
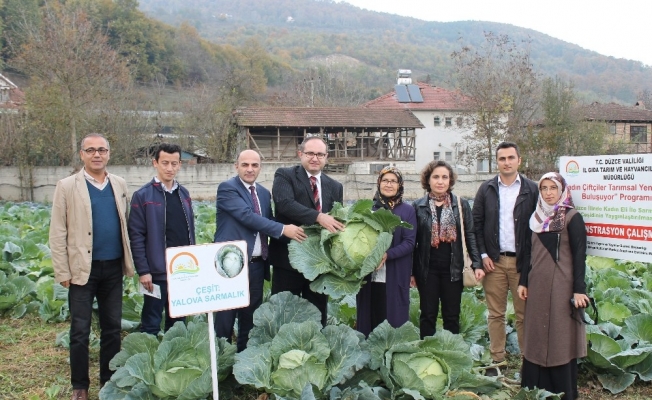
<point x="438" y="256"/>
<point x="554" y="336"/>
<point x="386" y="293"/>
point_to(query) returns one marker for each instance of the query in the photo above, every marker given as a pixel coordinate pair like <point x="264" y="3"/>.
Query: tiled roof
<point x="616" y="112"/>
<point x="434" y="98"/>
<point x="326" y="117"/>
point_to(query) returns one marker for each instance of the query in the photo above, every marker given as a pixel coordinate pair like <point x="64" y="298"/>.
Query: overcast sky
<point x="621" y="28"/>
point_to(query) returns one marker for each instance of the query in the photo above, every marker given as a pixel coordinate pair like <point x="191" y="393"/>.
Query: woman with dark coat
<point x="386" y="293"/>
<point x="438" y="256"/>
<point x="554" y="336"/>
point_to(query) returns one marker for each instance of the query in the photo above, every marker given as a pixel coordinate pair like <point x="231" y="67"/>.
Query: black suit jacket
<point x="294" y="204"/>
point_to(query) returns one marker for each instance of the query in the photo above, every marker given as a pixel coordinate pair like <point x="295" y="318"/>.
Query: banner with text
<point x="614" y="195"/>
<point x="206" y="278"/>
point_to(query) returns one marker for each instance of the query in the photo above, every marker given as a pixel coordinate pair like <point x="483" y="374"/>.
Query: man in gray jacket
<point x="90" y="254"/>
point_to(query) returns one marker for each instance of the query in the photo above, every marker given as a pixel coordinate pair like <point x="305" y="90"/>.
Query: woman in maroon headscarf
<point x="554" y="335"/>
<point x="386" y="294"/>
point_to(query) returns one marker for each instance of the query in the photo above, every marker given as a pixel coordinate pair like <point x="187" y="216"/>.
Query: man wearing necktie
<point x="302" y="196"/>
<point x="244" y="212"/>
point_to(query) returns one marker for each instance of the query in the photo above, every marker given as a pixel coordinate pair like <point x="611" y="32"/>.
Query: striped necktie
<point x="315" y="193"/>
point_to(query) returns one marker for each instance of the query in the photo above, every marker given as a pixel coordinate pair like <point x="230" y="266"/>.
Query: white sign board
<point x="206" y="278"/>
<point x="614" y="195"/>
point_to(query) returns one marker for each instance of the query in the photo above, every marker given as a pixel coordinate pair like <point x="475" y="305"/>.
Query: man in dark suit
<point x="302" y="196"/>
<point x="244" y="212"/>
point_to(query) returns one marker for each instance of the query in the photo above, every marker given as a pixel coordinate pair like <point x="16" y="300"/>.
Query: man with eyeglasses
<point x="161" y="217"/>
<point x="90" y="253"/>
<point x="303" y="195"/>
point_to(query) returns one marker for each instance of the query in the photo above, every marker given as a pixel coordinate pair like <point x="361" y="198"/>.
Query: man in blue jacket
<point x="244" y="212"/>
<point x="161" y="217"/>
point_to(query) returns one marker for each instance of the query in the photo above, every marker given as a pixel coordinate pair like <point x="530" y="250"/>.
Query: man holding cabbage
<point x="303" y="195"/>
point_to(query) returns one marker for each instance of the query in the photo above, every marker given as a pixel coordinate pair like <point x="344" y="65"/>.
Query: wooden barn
<point x="352" y="134"/>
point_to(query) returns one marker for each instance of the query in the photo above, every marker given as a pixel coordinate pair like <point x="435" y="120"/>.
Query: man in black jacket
<point x="501" y="213"/>
<point x="302" y="196"/>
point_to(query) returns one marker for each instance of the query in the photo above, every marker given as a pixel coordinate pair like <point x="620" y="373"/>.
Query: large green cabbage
<point x="338" y="262"/>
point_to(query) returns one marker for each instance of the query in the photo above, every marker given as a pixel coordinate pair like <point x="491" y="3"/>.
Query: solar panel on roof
<point x="415" y="93"/>
<point x="402" y="94"/>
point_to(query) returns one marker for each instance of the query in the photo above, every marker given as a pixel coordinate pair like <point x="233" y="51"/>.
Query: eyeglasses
<point x="91" y="151"/>
<point x="389" y="182"/>
<point x="319" y="156"/>
<point x="548" y="188"/>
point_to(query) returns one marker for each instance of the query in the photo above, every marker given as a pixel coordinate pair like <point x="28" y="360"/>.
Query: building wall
<point x="441" y="139"/>
<point x="202" y="180"/>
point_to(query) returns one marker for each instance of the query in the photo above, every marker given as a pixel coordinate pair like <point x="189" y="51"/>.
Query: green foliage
<point x="176" y="368"/>
<point x="301" y="357"/>
<point x="337" y="263"/>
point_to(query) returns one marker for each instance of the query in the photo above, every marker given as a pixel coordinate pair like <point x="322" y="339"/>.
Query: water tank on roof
<point x="404" y="77"/>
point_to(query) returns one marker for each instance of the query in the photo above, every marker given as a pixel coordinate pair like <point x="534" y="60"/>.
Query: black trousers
<point x="225" y="320"/>
<point x="439" y="289"/>
<point x="152" y="314"/>
<point x="378" y="303"/>
<point x="285" y="280"/>
<point x="105" y="284"/>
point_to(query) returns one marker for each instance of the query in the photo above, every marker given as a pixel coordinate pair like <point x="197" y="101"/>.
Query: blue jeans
<point x="105" y="283"/>
<point x="152" y="313"/>
<point x="224" y="320"/>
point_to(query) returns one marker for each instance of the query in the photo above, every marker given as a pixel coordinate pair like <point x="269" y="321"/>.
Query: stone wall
<point x="202" y="180"/>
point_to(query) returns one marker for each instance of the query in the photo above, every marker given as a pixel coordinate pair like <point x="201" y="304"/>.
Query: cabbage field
<point x="291" y="356"/>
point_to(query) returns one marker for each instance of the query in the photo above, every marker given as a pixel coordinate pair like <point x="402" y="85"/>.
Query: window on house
<point x="482" y="165"/>
<point x="459" y="121"/>
<point x="448" y="156"/>
<point x="612" y="129"/>
<point x="638" y="134"/>
<point x="449" y="121"/>
<point x="435" y="156"/>
<point x="437" y="121"/>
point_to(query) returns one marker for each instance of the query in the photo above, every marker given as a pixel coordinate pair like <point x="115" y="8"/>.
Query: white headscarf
<point x="552" y="218"/>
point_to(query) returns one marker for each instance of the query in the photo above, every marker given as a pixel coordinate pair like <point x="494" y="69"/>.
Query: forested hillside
<point x="296" y="32"/>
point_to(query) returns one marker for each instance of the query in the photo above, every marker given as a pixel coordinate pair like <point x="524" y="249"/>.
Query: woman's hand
<point x="413" y="282"/>
<point x="479" y="274"/>
<point x="522" y="292"/>
<point x="382" y="262"/>
<point x="581" y="300"/>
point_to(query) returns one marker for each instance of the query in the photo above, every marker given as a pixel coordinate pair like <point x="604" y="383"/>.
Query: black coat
<point x="421" y="257"/>
<point x="486" y="209"/>
<point x="294" y="204"/>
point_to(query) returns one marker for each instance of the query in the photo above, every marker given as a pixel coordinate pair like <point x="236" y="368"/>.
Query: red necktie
<point x="315" y="193"/>
<point x="263" y="237"/>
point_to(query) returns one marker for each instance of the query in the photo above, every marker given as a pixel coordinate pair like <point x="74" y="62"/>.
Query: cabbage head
<point x="337" y="263"/>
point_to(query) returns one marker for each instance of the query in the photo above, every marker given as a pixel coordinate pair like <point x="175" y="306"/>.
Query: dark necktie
<point x="263" y="237"/>
<point x="315" y="193"/>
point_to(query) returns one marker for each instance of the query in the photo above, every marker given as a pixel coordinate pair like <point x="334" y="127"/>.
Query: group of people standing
<point x="521" y="237"/>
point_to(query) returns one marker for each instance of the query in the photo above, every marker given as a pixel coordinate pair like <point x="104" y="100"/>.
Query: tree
<point x="563" y="131"/>
<point x="498" y="87"/>
<point x="73" y="72"/>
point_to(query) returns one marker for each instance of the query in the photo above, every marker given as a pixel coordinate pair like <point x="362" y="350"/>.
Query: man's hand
<point x="146" y="280"/>
<point x="488" y="265"/>
<point x="522" y="292"/>
<point x="329" y="223"/>
<point x="294" y="232"/>
<point x="66" y="284"/>
<point x="413" y="282"/>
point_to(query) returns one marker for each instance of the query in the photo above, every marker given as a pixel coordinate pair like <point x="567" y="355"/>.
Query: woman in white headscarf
<point x="554" y="335"/>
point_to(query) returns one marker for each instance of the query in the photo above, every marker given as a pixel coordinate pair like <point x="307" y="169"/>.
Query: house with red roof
<point x="11" y="97"/>
<point x="630" y="124"/>
<point x="442" y="113"/>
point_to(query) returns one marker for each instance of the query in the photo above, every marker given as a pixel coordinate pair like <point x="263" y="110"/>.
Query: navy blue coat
<point x="236" y="218"/>
<point x="397" y="278"/>
<point x="146" y="228"/>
